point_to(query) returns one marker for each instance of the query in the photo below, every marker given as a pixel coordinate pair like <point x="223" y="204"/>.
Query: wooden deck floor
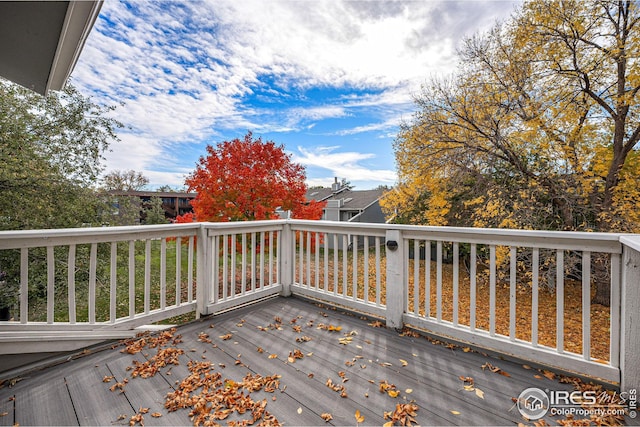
<point x="358" y="357"/>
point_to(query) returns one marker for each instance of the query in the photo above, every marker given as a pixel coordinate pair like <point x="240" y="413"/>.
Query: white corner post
<point x="203" y="271"/>
<point x="630" y="315"/>
<point x="395" y="280"/>
<point x="285" y="258"/>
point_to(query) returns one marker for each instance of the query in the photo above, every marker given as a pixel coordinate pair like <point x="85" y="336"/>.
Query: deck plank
<point x="6" y="410"/>
<point x="34" y="408"/>
<point x="94" y="403"/>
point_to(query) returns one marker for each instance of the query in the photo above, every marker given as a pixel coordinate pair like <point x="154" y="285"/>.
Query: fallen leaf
<point x="273" y="356"/>
<point x="326" y="417"/>
<point x="466" y="349"/>
<point x="393" y="393"/>
<point x="156" y="414"/>
<point x="495" y="369"/>
<point x="466" y="379"/>
<point x="403" y="362"/>
<point x="345" y="340"/>
<point x="4" y="414"/>
<point x="136" y="419"/>
<point x="549" y="374"/>
<point x="359" y="417"/>
<point x="409" y="391"/>
<point x="300" y="410"/>
<point x="455" y="412"/>
<point x="226" y="337"/>
<point x="480" y="393"/>
<point x="526" y="366"/>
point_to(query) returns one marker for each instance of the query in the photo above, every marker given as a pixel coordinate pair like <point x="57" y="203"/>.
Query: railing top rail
<point x="15" y="239"/>
<point x="370" y="229"/>
<point x="243" y="226"/>
<point x="570" y="240"/>
<point x="632" y="241"/>
<point x="603" y="242"/>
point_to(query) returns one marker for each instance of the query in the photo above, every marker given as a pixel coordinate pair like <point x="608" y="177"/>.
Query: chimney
<point x="336" y="185"/>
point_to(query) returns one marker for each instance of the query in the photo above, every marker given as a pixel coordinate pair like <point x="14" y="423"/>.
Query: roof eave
<point x="78" y="22"/>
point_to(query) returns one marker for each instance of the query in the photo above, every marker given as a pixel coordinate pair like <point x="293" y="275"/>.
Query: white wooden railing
<point x="78" y="286"/>
<point x="510" y="291"/>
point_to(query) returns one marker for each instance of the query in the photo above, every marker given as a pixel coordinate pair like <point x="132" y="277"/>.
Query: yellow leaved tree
<point x="537" y="130"/>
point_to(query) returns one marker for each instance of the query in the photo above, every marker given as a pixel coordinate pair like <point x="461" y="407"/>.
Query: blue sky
<point x="330" y="80"/>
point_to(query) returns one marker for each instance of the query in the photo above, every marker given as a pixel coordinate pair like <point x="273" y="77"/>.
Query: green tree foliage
<point x="51" y="151"/>
<point x="50" y="159"/>
<point x="153" y="212"/>
<point x="537" y="130"/>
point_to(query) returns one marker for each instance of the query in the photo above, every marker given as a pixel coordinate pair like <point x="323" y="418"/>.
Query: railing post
<point x="630" y="315"/>
<point x="203" y="271"/>
<point x="395" y="280"/>
<point x="285" y="259"/>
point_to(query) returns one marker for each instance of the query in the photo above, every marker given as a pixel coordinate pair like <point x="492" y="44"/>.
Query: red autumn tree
<point x="247" y="179"/>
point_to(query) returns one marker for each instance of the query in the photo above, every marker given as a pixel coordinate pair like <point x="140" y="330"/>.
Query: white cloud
<point x="391" y="123"/>
<point x="343" y="164"/>
<point x="185" y="70"/>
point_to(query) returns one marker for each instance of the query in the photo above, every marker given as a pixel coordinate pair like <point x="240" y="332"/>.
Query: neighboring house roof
<point x="40" y="41"/>
<point x="319" y="194"/>
<point x="351" y="199"/>
<point x="172" y="194"/>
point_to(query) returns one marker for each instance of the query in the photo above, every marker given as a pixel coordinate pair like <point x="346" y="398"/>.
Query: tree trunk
<point x="602" y="280"/>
